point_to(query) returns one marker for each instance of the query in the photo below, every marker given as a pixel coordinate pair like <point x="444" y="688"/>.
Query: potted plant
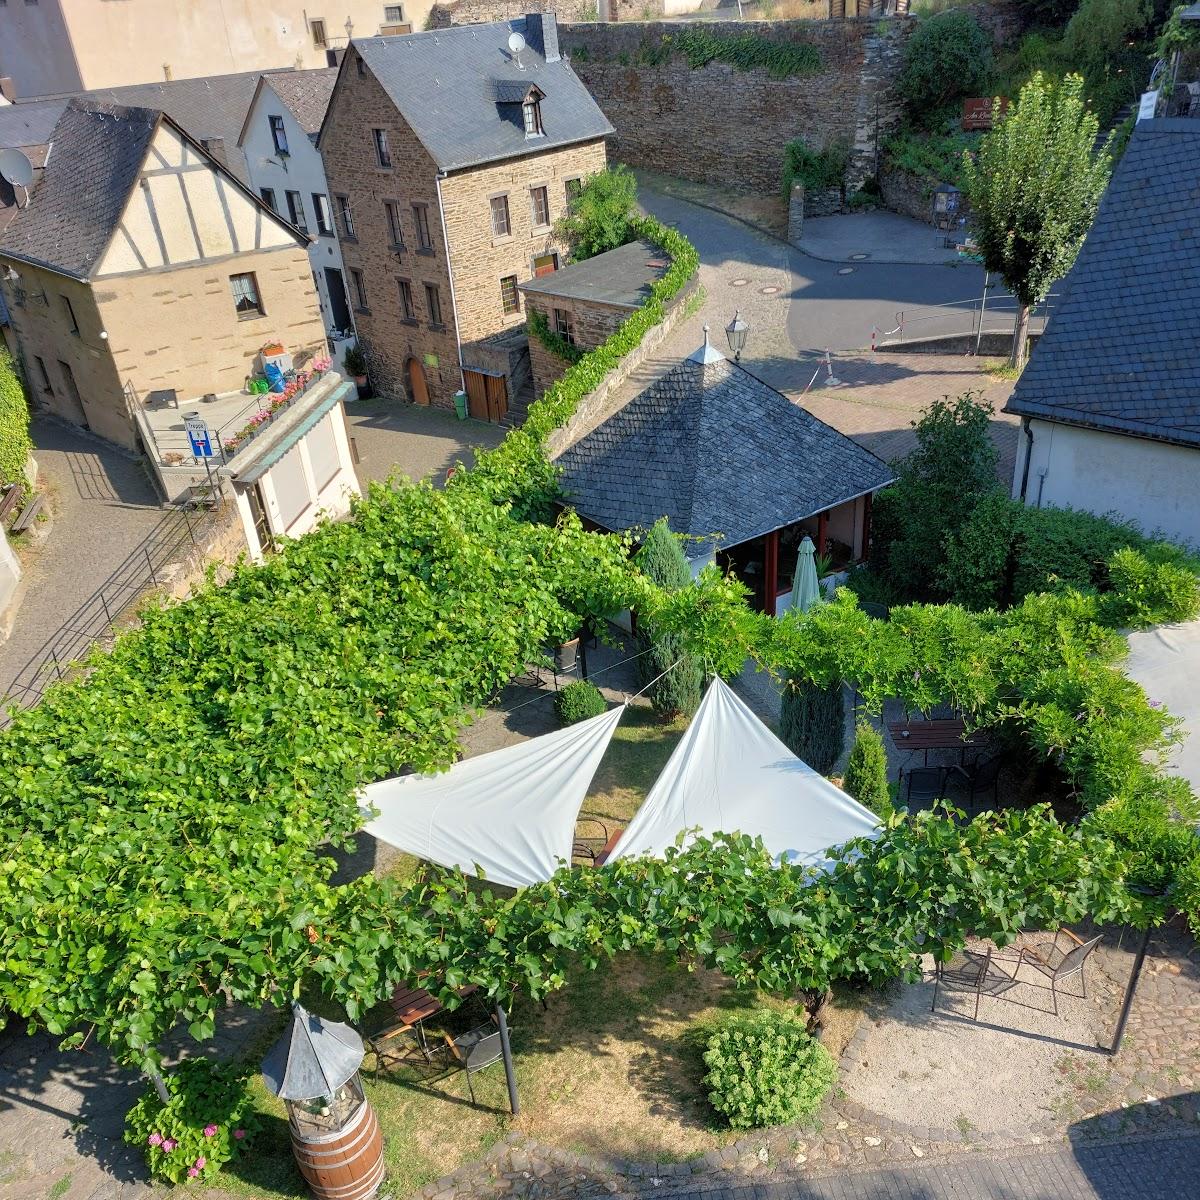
<point x="355" y="362"/>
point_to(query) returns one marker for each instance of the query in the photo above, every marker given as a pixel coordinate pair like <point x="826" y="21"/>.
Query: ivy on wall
<point x="15" y="444"/>
<point x="551" y="339"/>
<point x="742" y="51"/>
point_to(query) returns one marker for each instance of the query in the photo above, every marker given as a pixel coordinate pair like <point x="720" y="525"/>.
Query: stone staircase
<point x="519" y="410"/>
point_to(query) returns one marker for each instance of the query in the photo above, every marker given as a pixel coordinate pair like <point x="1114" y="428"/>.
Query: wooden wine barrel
<point x="345" y="1165"/>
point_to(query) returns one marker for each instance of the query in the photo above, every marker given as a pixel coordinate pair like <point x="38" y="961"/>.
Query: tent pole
<point x="506" y="1051"/>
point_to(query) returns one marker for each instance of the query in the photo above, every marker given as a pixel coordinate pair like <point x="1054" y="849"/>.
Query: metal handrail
<point x="980" y="308"/>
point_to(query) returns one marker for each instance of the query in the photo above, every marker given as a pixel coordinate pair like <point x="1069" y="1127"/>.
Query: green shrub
<point x="599" y="217"/>
<point x="1100" y="30"/>
<point x="1148" y="588"/>
<point x="209" y="1120"/>
<point x="812" y="722"/>
<point x="866" y="772"/>
<point x="674" y="676"/>
<point x="818" y="170"/>
<point x="948" y="56"/>
<point x="742" y="51"/>
<point x="766" y="1070"/>
<point x="551" y="338"/>
<point x="355" y="361"/>
<point x="579" y="701"/>
<point x="934" y="156"/>
<point x="15" y="444"/>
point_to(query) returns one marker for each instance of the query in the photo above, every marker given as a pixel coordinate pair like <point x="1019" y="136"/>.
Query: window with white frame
<point x="323" y="214"/>
<point x="539" y="202"/>
<point x="343" y="203"/>
<point x="278" y="134"/>
<point x="531" y="110"/>
<point x="295" y="203"/>
<point x="501" y="225"/>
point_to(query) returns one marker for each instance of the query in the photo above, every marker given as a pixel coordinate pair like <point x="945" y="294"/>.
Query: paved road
<point x="824" y="308"/>
<point x="1152" y="1169"/>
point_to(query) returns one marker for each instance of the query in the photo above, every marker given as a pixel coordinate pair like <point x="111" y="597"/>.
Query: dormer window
<point x="532" y="112"/>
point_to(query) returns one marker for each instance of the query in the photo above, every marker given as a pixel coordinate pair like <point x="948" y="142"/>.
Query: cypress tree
<point x="866" y="772"/>
<point x="678" y="691"/>
<point x="812" y="722"/>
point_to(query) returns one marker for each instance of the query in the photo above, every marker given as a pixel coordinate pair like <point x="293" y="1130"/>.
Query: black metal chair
<point x="981" y="778"/>
<point x="967" y="969"/>
<point x="1054" y="962"/>
<point x="588" y="844"/>
<point x="926" y="785"/>
<point x="473" y="1051"/>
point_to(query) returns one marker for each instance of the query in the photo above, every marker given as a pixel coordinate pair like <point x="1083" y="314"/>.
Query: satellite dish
<point x="16" y="168"/>
<point x="516" y="43"/>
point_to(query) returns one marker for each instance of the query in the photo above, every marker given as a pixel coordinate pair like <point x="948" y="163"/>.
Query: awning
<point x="1166" y="662"/>
<point x="508" y="815"/>
<point x="731" y="774"/>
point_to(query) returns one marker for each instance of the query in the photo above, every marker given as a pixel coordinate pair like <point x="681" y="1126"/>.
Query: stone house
<point x="740" y="471"/>
<point x="456" y="151"/>
<point x="278" y="138"/>
<point x="1110" y="398"/>
<point x="586" y="302"/>
<point x="141" y="271"/>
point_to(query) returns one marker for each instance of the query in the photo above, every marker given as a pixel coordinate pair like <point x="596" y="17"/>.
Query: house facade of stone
<point x="278" y="140"/>
<point x="586" y="303"/>
<point x="49" y="46"/>
<point x="141" y="272"/>
<point x="1110" y="399"/>
<point x="457" y="152"/>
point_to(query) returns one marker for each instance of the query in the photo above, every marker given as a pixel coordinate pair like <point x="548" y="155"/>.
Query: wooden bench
<point x="12" y="498"/>
<point x="28" y="514"/>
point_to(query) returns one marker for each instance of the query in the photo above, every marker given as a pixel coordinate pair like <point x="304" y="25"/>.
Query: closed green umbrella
<point x="806" y="591"/>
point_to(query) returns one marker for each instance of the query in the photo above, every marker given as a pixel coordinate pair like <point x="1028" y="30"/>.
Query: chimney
<point x="541" y="32"/>
<point x="8" y="89"/>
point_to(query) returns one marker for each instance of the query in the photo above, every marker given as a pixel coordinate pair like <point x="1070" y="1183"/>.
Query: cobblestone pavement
<point x="103" y="507"/>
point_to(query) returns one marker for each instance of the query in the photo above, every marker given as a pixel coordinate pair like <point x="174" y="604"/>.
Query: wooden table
<point x="910" y="737"/>
<point x="413" y="1006"/>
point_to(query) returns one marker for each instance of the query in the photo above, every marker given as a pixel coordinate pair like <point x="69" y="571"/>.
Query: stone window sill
<point x="397" y="247"/>
<point x="254" y="316"/>
<point x="410" y="321"/>
<point x="428" y="251"/>
<point x="366" y="311"/>
<point x="502" y="240"/>
<point x="541" y="230"/>
<point x="437" y="327"/>
<point x="348" y="237"/>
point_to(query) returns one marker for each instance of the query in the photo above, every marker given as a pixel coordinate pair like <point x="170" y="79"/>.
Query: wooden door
<point x="418" y="389"/>
<point x="487" y="396"/>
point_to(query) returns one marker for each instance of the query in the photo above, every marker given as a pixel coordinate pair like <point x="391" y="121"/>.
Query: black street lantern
<point x="736" y="332"/>
<point x="335" y="1136"/>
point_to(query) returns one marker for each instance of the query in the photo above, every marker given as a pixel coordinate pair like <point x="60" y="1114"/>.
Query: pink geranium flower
<point x="192" y="1172"/>
<point x="209" y="1130"/>
<point x="168" y="1145"/>
<point x="155" y="1139"/>
<point x="201" y="1163"/>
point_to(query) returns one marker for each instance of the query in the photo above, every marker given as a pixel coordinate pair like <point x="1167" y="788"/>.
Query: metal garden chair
<point x="1054" y="962"/>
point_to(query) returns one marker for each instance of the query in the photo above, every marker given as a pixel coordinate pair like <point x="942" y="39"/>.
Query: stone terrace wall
<point x="477" y="12"/>
<point x="716" y="124"/>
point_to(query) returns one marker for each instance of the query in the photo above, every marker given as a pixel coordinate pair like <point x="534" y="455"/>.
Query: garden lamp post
<point x="736" y="332"/>
<point x="313" y="1068"/>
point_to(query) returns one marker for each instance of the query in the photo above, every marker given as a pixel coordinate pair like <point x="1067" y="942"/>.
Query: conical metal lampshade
<point x="313" y="1058"/>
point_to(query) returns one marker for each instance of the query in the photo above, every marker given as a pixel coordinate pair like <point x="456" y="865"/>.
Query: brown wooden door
<point x="418" y="389"/>
<point x="487" y="396"/>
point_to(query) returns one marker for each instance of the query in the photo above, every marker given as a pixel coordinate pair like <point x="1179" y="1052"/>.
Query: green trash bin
<point x="460" y="405"/>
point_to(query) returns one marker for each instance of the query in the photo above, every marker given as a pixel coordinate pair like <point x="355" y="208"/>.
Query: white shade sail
<point x="1166" y="662"/>
<point x="511" y="813"/>
<point x="731" y="774"/>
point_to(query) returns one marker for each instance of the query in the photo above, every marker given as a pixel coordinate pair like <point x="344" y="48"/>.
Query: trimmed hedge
<point x="15" y="443"/>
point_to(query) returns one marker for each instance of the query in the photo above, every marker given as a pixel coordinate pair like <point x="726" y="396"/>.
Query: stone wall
<point x="906" y="193"/>
<point x="504" y="354"/>
<point x="715" y="124"/>
<point x="592" y="324"/>
<point x="478" y="12"/>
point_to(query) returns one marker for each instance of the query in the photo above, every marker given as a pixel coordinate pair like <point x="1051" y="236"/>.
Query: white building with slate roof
<point x="1110" y="400"/>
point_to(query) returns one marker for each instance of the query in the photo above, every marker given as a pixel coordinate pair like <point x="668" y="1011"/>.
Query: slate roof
<point x="623" y="277"/>
<point x="98" y="151"/>
<point x="25" y="127"/>
<point x="1121" y="351"/>
<point x="212" y="106"/>
<point x="716" y="451"/>
<point x="306" y="94"/>
<point x="445" y="84"/>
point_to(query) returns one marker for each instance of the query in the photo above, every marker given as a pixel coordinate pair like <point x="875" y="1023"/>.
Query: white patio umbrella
<point x="806" y="590"/>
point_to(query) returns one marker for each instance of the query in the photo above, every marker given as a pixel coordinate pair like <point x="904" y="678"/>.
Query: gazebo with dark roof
<point x="736" y="467"/>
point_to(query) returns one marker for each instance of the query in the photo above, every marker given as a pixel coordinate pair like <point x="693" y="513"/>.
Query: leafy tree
<point x="15" y="445"/>
<point x="674" y="675"/>
<point x="938" y="487"/>
<point x="947" y="57"/>
<point x="600" y="216"/>
<point x="1033" y="187"/>
<point x="866" y="772"/>
<point x="812" y="722"/>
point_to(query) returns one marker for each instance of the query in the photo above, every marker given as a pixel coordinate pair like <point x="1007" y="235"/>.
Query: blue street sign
<point x="198" y="435"/>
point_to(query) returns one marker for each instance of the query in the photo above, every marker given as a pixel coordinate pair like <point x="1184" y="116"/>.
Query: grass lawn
<point x="624" y="1041"/>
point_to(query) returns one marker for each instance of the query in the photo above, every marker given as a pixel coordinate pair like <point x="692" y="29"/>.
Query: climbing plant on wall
<point x="15" y="444"/>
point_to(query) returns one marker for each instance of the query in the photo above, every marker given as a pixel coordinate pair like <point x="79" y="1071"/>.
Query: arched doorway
<point x="418" y="389"/>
